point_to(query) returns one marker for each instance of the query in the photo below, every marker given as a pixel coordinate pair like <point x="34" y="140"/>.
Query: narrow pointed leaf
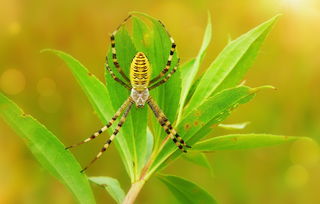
<point x="111" y="185"/>
<point x="231" y="64"/>
<point x="47" y="149"/>
<point x="186" y="191"/>
<point x="242" y="141"/>
<point x="99" y="98"/>
<point x="189" y="72"/>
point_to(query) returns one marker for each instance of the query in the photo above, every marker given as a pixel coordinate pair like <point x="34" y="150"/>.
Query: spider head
<point x="139" y="97"/>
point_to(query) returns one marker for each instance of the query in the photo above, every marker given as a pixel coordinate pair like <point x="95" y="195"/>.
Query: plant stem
<point x="152" y="158"/>
<point x="137" y="186"/>
<point x="133" y="192"/>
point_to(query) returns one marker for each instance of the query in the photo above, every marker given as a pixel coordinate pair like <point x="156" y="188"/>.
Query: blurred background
<point x="43" y="86"/>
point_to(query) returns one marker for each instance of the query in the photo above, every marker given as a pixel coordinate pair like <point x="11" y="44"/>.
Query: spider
<point x="139" y="84"/>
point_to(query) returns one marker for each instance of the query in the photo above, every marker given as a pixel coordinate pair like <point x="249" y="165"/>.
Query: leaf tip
<point x="209" y="17"/>
<point x="48" y="50"/>
<point x="44" y="50"/>
<point x="275" y="18"/>
<point x="254" y="90"/>
<point x="278" y="15"/>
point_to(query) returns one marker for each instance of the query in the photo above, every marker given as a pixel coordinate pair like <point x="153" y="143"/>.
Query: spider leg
<point x="115" y="77"/>
<point x="114" y="52"/>
<point x="115" y="132"/>
<point x="104" y="128"/>
<point x="166" y="68"/>
<point x="164" y="122"/>
<point x="164" y="80"/>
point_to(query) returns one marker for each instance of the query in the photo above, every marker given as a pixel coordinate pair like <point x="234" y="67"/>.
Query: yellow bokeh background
<point x="43" y="86"/>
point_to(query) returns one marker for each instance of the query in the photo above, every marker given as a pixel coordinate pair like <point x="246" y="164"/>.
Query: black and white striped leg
<point x="167" y="125"/>
<point x="164" y="80"/>
<point x="115" y="132"/>
<point x="164" y="122"/>
<point x="115" y="77"/>
<point x="114" y="52"/>
<point x="167" y="67"/>
<point x="104" y="128"/>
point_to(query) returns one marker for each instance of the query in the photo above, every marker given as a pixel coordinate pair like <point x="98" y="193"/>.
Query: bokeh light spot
<point x="12" y="81"/>
<point x="14" y="28"/>
<point x="305" y="152"/>
<point x="296" y="176"/>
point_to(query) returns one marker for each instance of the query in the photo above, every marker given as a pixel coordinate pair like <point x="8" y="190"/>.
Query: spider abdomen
<point x="140" y="72"/>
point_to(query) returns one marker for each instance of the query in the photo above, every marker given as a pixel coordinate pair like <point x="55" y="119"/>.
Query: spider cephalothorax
<point x="139" y="97"/>
<point x="139" y="84"/>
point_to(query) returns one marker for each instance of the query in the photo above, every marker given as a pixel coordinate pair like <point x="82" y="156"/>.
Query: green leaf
<point x="199" y="122"/>
<point x="186" y="191"/>
<point x="47" y="149"/>
<point x="99" y="98"/>
<point x="150" y="141"/>
<point x="190" y="70"/>
<point x="235" y="126"/>
<point x="192" y="89"/>
<point x="232" y="63"/>
<point x="198" y="159"/>
<point x="111" y="185"/>
<point x="242" y="141"/>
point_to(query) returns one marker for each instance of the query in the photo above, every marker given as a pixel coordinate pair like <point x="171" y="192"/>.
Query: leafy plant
<point x="197" y="106"/>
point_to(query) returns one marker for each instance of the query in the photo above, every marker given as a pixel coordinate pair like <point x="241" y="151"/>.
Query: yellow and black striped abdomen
<point x="140" y="72"/>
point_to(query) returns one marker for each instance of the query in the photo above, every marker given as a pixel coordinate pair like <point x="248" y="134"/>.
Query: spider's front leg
<point x="164" y="122"/>
<point x="165" y="79"/>
<point x="114" y="51"/>
<point x="171" y="53"/>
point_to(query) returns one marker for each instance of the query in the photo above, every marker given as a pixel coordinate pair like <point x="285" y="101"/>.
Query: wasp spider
<point x="139" y="84"/>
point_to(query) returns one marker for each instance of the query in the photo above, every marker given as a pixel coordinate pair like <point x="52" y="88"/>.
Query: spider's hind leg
<point x="164" y="122"/>
<point x="114" y="134"/>
<point x="172" y="133"/>
<point x="104" y="128"/>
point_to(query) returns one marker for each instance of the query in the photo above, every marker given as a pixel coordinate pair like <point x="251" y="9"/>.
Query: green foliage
<point x="194" y="106"/>
<point x="186" y="191"/>
<point x="99" y="98"/>
<point x="242" y="141"/>
<point x="111" y="185"/>
<point x="189" y="72"/>
<point x="198" y="158"/>
<point x="48" y="150"/>
<point x="231" y="64"/>
<point x="199" y="122"/>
